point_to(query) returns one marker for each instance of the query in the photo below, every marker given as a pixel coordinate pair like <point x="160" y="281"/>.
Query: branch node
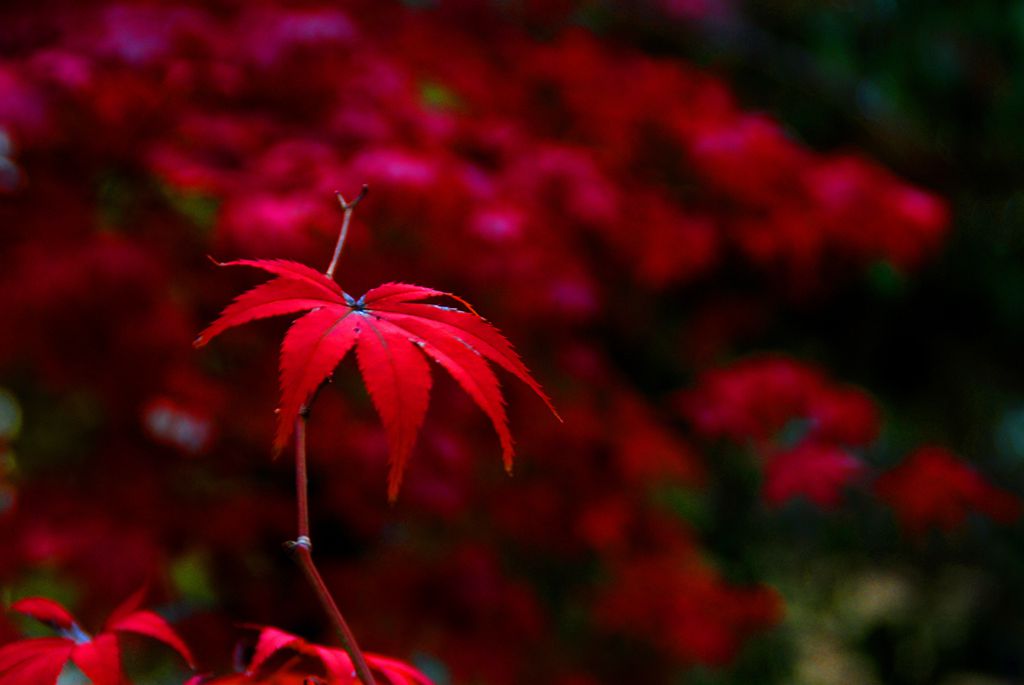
<point x="301" y="542"/>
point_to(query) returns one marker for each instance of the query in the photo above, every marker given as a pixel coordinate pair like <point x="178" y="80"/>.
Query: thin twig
<point x="302" y="547"/>
<point x="301" y="479"/>
<point x="348" y="208"/>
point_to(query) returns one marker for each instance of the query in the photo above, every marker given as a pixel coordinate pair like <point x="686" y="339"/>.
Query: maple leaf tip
<point x="394" y="485"/>
<point x="551" y="407"/>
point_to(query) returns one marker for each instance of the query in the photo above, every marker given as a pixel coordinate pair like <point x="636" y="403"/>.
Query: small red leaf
<point x="398" y="380"/>
<point x="100" y="659"/>
<point x="471" y="372"/>
<point x="34" y="662"/>
<point x="45" y="611"/>
<point x="274" y="298"/>
<point x="270" y="642"/>
<point x="396" y="293"/>
<point x="313" y="346"/>
<point x="154" y="626"/>
<point x="128" y="606"/>
<point x="397" y="672"/>
<point x="292" y="271"/>
<point x="336" y="663"/>
<point x="482" y="336"/>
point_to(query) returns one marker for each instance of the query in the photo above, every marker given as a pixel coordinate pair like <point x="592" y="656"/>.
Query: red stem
<point x="303" y="549"/>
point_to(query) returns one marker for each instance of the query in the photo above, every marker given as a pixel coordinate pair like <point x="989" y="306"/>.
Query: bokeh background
<point x="767" y="257"/>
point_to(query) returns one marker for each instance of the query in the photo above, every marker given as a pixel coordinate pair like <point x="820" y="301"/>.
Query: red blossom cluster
<point x="811" y="434"/>
<point x="932" y="488"/>
<point x="572" y="187"/>
<point x="805" y="427"/>
<point x="754" y="399"/>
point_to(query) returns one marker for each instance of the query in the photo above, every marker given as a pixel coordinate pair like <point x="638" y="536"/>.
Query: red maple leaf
<point x="393" y="332"/>
<point x="39" y="661"/>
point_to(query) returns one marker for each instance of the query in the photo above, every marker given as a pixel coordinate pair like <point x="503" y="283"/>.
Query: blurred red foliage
<point x="589" y="197"/>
